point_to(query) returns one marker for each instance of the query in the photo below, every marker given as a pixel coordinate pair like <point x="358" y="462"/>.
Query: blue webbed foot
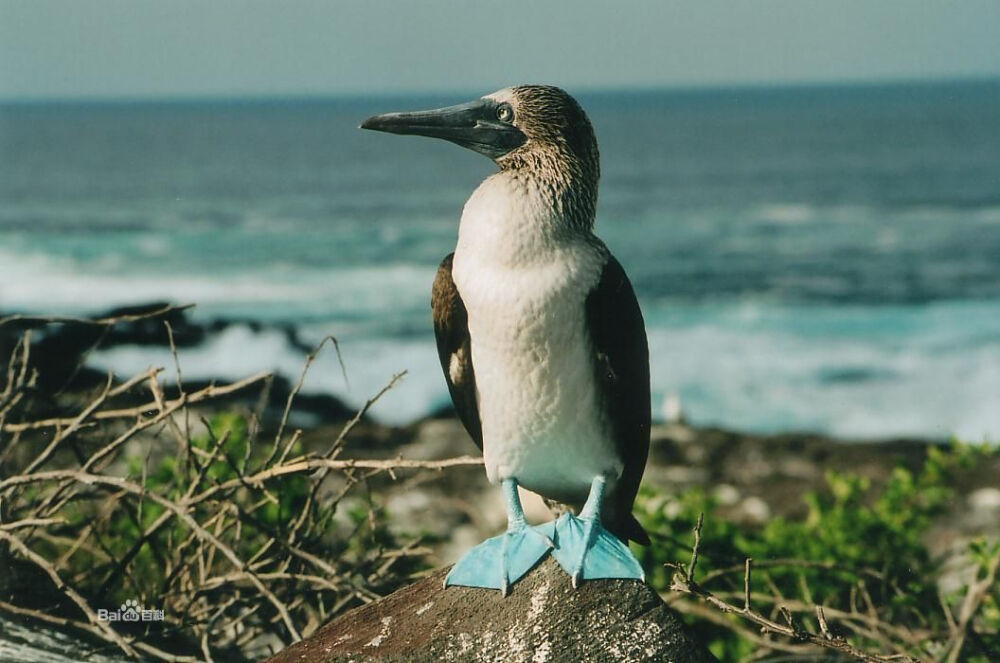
<point x="586" y="551"/>
<point x="499" y="562"/>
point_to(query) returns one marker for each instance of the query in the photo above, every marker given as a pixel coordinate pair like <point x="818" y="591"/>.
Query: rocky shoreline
<point x="752" y="476"/>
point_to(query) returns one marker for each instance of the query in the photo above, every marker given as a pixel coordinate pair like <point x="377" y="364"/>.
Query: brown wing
<point x="451" y="329"/>
<point x="618" y="334"/>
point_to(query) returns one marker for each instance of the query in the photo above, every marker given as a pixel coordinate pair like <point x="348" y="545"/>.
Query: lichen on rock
<point x="542" y="620"/>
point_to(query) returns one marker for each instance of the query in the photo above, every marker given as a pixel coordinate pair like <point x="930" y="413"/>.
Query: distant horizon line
<point x="601" y="90"/>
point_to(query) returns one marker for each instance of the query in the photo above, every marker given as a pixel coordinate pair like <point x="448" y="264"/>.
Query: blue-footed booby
<point x="540" y="337"/>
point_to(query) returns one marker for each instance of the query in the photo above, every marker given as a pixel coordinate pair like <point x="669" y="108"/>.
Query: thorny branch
<point x="227" y="539"/>
<point x="41" y="320"/>
<point x="866" y="622"/>
<point x="233" y="576"/>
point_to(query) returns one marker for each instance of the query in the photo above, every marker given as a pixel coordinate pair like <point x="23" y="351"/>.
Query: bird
<point x="540" y="337"/>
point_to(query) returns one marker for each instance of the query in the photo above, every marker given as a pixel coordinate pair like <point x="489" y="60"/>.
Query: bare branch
<point x="209" y="392"/>
<point x="973" y="601"/>
<point x="36" y="559"/>
<point x="684" y="582"/>
<point x="39" y="320"/>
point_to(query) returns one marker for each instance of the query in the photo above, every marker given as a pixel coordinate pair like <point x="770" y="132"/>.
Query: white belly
<point x="541" y="418"/>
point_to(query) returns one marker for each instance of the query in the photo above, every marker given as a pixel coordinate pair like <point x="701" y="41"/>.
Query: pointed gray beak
<point x="473" y="125"/>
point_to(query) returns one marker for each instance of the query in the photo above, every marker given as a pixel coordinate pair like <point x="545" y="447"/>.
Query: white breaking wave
<point x="850" y="371"/>
<point x="903" y="371"/>
<point x="730" y="368"/>
<point x="238" y="352"/>
<point x="789" y="213"/>
<point x="37" y="283"/>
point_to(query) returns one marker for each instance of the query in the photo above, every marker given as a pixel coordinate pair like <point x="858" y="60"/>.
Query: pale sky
<point x="142" y="48"/>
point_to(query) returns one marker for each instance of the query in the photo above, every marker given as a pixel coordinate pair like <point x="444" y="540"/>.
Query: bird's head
<point x="537" y="127"/>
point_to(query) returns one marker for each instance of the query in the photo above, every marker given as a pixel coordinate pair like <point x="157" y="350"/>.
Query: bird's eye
<point x="505" y="113"/>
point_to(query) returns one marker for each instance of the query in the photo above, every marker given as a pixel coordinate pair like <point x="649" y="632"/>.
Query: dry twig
<point x="227" y="570"/>
<point x="684" y="582"/>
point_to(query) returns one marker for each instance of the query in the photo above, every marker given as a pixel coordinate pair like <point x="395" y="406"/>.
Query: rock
<point x="755" y="509"/>
<point x="542" y="620"/>
<point x="984" y="509"/>
<point x="726" y="494"/>
<point x="985" y="499"/>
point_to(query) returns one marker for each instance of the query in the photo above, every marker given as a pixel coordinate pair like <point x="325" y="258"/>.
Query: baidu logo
<point x="130" y="611"/>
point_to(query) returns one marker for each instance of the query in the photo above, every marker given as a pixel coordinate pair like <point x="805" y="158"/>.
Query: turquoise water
<point x="812" y="258"/>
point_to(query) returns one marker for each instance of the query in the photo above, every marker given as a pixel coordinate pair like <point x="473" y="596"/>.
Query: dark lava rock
<point x="542" y="620"/>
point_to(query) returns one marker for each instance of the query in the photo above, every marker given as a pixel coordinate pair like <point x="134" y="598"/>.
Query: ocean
<point x="814" y="258"/>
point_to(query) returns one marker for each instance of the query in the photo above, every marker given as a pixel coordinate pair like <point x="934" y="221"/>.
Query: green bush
<point x="857" y="548"/>
<point x="319" y="547"/>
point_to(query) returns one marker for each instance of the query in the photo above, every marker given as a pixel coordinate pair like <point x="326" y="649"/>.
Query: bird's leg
<point x="585" y="550"/>
<point x="592" y="507"/>
<point x="499" y="562"/>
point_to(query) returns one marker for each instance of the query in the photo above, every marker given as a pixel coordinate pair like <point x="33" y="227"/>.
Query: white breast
<point x="524" y="279"/>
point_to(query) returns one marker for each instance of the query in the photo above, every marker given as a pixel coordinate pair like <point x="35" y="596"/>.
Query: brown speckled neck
<point x="560" y="155"/>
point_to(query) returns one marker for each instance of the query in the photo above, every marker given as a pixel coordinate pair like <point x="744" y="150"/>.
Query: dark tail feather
<point x="636" y="532"/>
<point x="628" y="528"/>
